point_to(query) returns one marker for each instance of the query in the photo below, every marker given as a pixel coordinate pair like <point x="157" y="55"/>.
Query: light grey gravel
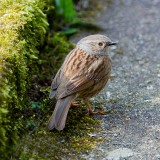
<point x="133" y="94"/>
<point x="119" y="154"/>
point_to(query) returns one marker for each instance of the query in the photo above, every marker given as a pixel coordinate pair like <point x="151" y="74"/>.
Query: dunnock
<point x="83" y="74"/>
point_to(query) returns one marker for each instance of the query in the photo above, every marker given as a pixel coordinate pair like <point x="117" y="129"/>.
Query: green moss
<point x="25" y="77"/>
<point x="23" y="25"/>
<point x="74" y="139"/>
<point x="53" y="54"/>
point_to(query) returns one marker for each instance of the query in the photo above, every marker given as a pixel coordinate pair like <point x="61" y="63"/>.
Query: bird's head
<point x="95" y="44"/>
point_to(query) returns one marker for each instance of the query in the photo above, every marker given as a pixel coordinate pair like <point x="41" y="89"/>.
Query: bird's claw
<point x="75" y="104"/>
<point x="91" y="112"/>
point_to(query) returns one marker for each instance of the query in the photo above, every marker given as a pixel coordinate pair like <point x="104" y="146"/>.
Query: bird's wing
<point x="95" y="72"/>
<point x="57" y="80"/>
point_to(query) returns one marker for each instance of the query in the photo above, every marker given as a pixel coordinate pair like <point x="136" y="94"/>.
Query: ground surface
<point x="132" y="98"/>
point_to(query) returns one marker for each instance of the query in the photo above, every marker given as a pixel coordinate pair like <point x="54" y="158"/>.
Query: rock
<point x="120" y="153"/>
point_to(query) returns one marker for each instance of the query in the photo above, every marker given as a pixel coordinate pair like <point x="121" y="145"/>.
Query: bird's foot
<point x="90" y="112"/>
<point x="75" y="104"/>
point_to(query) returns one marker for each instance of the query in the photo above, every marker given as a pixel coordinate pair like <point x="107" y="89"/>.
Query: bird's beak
<point x="112" y="43"/>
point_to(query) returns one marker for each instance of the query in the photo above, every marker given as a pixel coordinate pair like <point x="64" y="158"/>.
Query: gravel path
<point x="131" y="99"/>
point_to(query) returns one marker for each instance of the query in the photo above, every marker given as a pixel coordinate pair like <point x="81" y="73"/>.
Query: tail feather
<point x="52" y="93"/>
<point x="58" y="118"/>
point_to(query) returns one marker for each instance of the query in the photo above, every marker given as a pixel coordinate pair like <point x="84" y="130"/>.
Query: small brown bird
<point x="84" y="73"/>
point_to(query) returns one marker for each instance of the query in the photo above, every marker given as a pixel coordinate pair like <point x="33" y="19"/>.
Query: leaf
<point x="66" y="7"/>
<point x="58" y="4"/>
<point x="33" y="56"/>
<point x="46" y="89"/>
<point x="126" y="119"/>
<point x="69" y="31"/>
<point x="85" y="25"/>
<point x="4" y="111"/>
<point x="102" y="112"/>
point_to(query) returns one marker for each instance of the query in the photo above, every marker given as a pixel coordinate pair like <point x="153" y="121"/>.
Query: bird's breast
<point x="79" y="62"/>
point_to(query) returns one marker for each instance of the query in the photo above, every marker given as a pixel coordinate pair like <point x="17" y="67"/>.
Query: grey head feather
<point x="84" y="43"/>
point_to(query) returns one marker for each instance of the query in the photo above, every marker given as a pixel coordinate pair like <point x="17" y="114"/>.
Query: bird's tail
<point x="59" y="115"/>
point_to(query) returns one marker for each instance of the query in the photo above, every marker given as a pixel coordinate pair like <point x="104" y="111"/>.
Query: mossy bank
<point x="31" y="51"/>
<point x="23" y="26"/>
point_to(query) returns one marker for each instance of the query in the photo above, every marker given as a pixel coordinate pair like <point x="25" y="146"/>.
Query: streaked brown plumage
<point x="83" y="74"/>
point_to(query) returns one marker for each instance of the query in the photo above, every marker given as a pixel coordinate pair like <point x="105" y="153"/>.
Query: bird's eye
<point x="100" y="44"/>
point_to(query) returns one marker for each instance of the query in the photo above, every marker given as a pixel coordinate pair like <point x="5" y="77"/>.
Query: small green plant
<point x="71" y="22"/>
<point x="66" y="8"/>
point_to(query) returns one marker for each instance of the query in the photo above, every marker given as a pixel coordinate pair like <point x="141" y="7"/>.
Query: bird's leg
<point x="90" y="111"/>
<point x="75" y="104"/>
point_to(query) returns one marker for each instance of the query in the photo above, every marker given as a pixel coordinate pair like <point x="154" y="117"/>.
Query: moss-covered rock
<point x="22" y="28"/>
